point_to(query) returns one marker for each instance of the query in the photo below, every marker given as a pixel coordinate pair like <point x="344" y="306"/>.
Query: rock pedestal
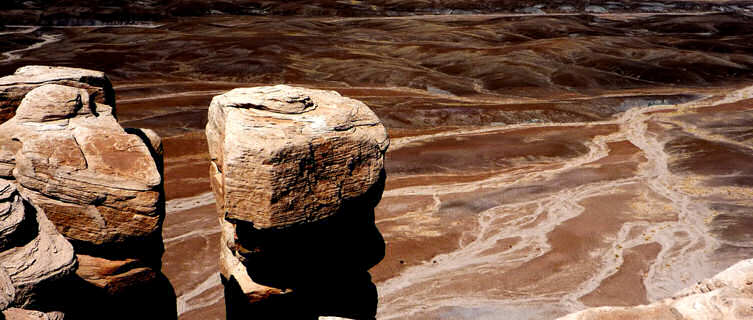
<point x="296" y="174"/>
<point x="98" y="183"/>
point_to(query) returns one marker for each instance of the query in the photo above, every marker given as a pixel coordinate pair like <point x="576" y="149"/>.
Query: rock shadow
<point x="147" y="295"/>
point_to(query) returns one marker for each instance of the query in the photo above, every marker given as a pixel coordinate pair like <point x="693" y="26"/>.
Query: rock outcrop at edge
<point x="727" y="295"/>
<point x="23" y="314"/>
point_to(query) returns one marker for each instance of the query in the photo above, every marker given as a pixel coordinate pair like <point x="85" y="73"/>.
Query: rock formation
<point x="727" y="295"/>
<point x="99" y="184"/>
<point x="296" y="174"/>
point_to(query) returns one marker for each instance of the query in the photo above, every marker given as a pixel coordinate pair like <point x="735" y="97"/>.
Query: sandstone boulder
<point x="13" y="88"/>
<point x="728" y="295"/>
<point x="12" y="214"/>
<point x="34" y="254"/>
<point x="283" y="155"/>
<point x="296" y="174"/>
<point x="99" y="184"/>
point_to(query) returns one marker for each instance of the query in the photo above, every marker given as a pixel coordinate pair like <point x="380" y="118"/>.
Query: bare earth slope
<point x="539" y="165"/>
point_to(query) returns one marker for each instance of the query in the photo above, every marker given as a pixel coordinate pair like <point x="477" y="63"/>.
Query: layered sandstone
<point x="727" y="295"/>
<point x="284" y="155"/>
<point x="98" y="183"/>
<point x="33" y="255"/>
<point x="296" y="174"/>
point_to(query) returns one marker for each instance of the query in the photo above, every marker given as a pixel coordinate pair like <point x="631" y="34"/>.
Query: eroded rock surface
<point x="33" y="255"/>
<point x="99" y="184"/>
<point x="296" y="174"/>
<point x="728" y="295"/>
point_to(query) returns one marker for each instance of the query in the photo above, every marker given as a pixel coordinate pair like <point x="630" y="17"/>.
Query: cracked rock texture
<point x="283" y="155"/>
<point x="727" y="295"/>
<point x="296" y="174"/>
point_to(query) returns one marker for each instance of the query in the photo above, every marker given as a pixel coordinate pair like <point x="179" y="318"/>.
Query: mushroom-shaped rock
<point x="283" y="155"/>
<point x="37" y="254"/>
<point x="13" y="88"/>
<point x="296" y="174"/>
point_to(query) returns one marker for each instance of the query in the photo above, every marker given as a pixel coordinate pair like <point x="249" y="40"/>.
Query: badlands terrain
<point x="539" y="165"/>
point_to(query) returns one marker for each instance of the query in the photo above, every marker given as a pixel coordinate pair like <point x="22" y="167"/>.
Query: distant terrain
<point x="78" y="12"/>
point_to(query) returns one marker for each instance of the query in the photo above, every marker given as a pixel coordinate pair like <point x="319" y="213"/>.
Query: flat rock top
<point x="39" y="74"/>
<point x="278" y="99"/>
<point x="302" y="110"/>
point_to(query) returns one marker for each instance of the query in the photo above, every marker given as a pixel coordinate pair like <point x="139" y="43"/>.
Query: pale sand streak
<point x="13" y="55"/>
<point x="182" y="204"/>
<point x="211" y="282"/>
<point x="195" y="233"/>
<point x="103" y="25"/>
<point x="47" y="39"/>
<point x="28" y="29"/>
